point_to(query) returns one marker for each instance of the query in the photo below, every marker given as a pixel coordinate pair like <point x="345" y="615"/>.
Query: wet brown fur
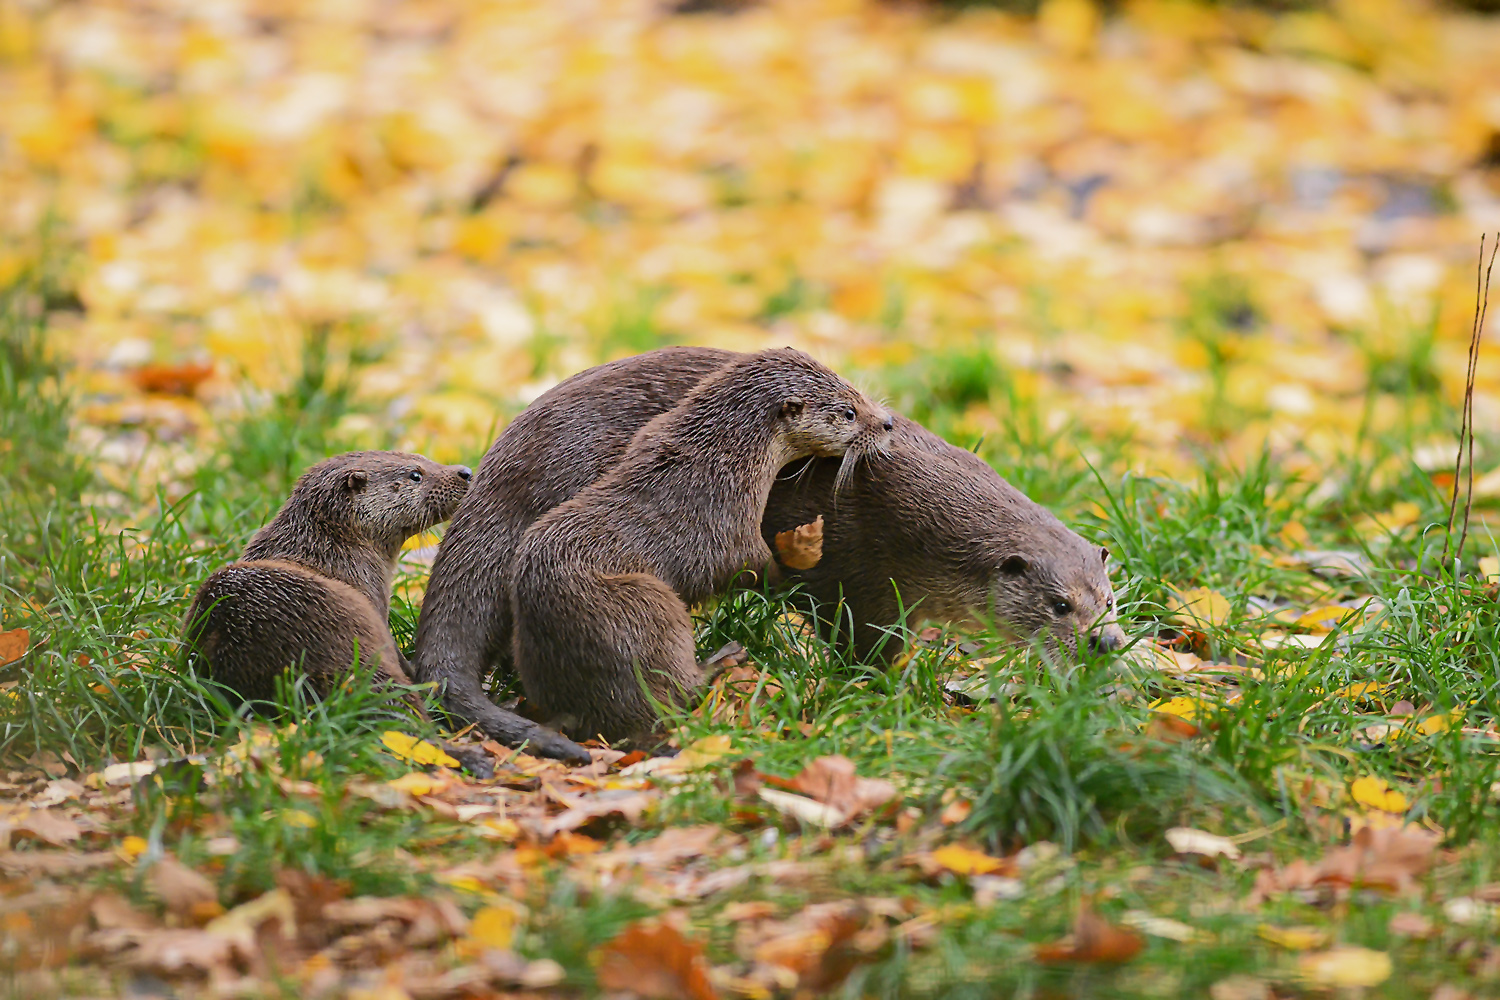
<point x="312" y="589"/>
<point x="602" y="583"/>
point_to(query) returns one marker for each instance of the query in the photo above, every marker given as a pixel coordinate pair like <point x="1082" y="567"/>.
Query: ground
<point x="1198" y="278"/>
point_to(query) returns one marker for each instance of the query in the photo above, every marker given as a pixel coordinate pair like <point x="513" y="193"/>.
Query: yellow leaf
<point x="1201" y="606"/>
<point x="965" y="860"/>
<point x="1294" y="938"/>
<point x="1181" y="706"/>
<point x="1293" y="534"/>
<point x="493" y="927"/>
<point x="1325" y="618"/>
<point x="1441" y="721"/>
<point x="133" y="847"/>
<point x="1346" y="967"/>
<point x="498" y="828"/>
<point x="1362" y="690"/>
<point x="1069" y="25"/>
<point x="418" y="783"/>
<point x="296" y="817"/>
<point x="1489" y="566"/>
<point x="415" y="750"/>
<point x="1377" y="794"/>
<point x="703" y="752"/>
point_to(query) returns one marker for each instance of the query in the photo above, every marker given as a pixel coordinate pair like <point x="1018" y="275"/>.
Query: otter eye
<point x="1062" y="607"/>
<point x="849" y="413"/>
<point x="415" y="475"/>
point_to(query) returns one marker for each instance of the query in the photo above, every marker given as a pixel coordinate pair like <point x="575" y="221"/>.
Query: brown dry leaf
<point x="652" y="959"/>
<point x="1094" y="940"/>
<point x="801" y="547"/>
<point x="13" y="645"/>
<point x="832" y="780"/>
<point x="112" y="911"/>
<point x="1409" y="923"/>
<point x="582" y="810"/>
<point x="1240" y="987"/>
<point x="1389" y="858"/>
<point x="46" y="825"/>
<point x="184" y="891"/>
<point x="815" y="950"/>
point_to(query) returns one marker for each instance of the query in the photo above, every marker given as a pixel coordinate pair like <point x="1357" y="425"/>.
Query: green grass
<point x="1043" y="752"/>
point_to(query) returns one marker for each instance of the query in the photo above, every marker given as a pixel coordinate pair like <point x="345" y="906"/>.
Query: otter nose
<point x="1104" y="642"/>
<point x="464" y="472"/>
<point x="890" y="422"/>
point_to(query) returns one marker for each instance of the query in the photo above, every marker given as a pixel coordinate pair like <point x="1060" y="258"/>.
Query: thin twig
<point x="1466" y="420"/>
<point x="1484" y="310"/>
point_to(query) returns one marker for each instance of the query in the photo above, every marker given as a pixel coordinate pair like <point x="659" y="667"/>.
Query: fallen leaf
<point x="815" y="949"/>
<point x="1201" y="606"/>
<point x="1162" y="927"/>
<point x="1298" y="938"/>
<point x="1240" y="987"/>
<point x="1185" y="840"/>
<point x="13" y="645"/>
<point x="417" y="751"/>
<point x="801" y="547"/>
<point x="1410" y="924"/>
<point x="491" y="927"/>
<point x="1377" y="794"/>
<point x="46" y="825"/>
<point x="966" y="861"/>
<point x="1094" y="940"/>
<point x="652" y="959"/>
<point x="184" y="892"/>
<point x="833" y="781"/>
<point x="803" y="809"/>
<point x="1345" y="967"/>
<point x="171" y="380"/>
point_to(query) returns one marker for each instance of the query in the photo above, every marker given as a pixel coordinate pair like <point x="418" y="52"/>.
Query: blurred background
<point x="1145" y="231"/>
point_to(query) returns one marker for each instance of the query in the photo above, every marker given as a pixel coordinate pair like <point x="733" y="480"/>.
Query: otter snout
<point x="1108" y="638"/>
<point x="464" y="472"/>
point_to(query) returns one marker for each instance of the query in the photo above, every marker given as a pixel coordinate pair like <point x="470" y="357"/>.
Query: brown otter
<point x="313" y="587"/>
<point x="601" y="583"/>
<point x="931" y="527"/>
<point x="565" y="440"/>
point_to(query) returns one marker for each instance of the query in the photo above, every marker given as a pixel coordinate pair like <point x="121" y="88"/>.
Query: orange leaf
<point x="13" y="645"/>
<point x="171" y="380"/>
<point x="1094" y="940"/>
<point x="651" y="959"/>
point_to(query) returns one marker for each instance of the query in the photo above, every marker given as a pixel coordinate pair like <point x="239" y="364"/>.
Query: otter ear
<point x="1014" y="565"/>
<point x="791" y="407"/>
<point x="1104" y="556"/>
<point x="355" y="480"/>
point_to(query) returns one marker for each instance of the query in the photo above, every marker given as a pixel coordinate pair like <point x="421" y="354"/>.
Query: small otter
<point x="314" y="585"/>
<point x="601" y="583"/>
<point x="932" y="527"/>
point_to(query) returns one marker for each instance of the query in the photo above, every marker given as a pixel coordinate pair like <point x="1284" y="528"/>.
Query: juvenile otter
<point x="314" y="585"/>
<point x="602" y="583"/>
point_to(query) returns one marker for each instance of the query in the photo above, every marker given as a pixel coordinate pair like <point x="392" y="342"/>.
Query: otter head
<point x="388" y="496"/>
<point x="818" y="413"/>
<point x="1048" y="585"/>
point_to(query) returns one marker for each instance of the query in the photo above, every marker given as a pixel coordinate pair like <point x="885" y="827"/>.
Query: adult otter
<point x="930" y="526"/>
<point x="313" y="587"/>
<point x="601" y="584"/>
<point x="565" y="440"/>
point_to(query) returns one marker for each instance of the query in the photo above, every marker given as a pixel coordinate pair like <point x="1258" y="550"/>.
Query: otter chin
<point x="1052" y="588"/>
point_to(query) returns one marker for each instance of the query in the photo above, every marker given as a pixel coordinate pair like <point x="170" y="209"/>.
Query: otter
<point x="601" y="584"/>
<point x="930" y="527"/>
<point x="561" y="443"/>
<point x="313" y="587"/>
